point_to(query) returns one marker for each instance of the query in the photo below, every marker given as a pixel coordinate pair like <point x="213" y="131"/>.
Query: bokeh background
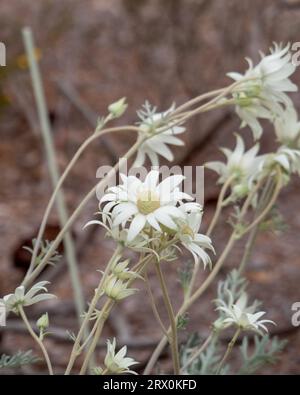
<point x="92" y="53"/>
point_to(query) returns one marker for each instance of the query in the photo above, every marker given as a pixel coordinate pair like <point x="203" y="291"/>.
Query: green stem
<point x="196" y="100"/>
<point x="37" y="339"/>
<point x="219" y="92"/>
<point x="268" y="207"/>
<point x="197" y="353"/>
<point x="53" y="168"/>
<point x="99" y="325"/>
<point x="208" y="233"/>
<point x="219" y="206"/>
<point x="76" y="348"/>
<point x="253" y="234"/>
<point x="153" y="305"/>
<point x="173" y="339"/>
<point x="211" y="105"/>
<point x="229" y="349"/>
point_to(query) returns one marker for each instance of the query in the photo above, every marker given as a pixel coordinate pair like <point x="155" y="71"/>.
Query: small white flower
<point x="242" y="166"/>
<point x="145" y="203"/>
<point x="157" y="142"/>
<point x="20" y="298"/>
<point x="241" y="315"/>
<point x="287" y="128"/>
<point x="116" y="289"/>
<point x="190" y="238"/>
<point x="117" y="363"/>
<point x="263" y="94"/>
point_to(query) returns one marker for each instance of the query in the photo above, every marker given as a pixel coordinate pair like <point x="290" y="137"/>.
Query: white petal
<point x="124" y="216"/>
<point x="136" y="226"/>
<point x="151" y="179"/>
<point x="165" y="220"/>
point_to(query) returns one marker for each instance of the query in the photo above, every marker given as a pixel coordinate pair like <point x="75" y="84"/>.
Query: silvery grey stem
<point x="52" y="164"/>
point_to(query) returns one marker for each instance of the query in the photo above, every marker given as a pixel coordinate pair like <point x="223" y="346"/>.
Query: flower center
<point x="186" y="230"/>
<point x="147" y="202"/>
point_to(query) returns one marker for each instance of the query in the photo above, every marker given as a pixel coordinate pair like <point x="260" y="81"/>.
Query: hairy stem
<point x="99" y="326"/>
<point x="76" y="348"/>
<point x="268" y="207"/>
<point x="53" y="168"/>
<point x="173" y="338"/>
<point x="229" y="349"/>
<point x="153" y="305"/>
<point x="37" y="339"/>
<point x="198" y="352"/>
<point x="219" y="206"/>
<point x="254" y="231"/>
<point x="208" y="233"/>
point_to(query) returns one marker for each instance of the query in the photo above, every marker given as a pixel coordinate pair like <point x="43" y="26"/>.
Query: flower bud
<point x="118" y="108"/>
<point x="122" y="272"/>
<point x="43" y="321"/>
<point x="116" y="289"/>
<point x="240" y="190"/>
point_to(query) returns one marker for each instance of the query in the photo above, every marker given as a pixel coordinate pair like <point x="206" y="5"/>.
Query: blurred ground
<point x="163" y="51"/>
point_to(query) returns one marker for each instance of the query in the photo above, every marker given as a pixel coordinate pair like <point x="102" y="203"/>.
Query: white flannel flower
<point x="19" y="298"/>
<point x="263" y="94"/>
<point x="242" y="316"/>
<point x="287" y="128"/>
<point x="117" y="363"/>
<point x="145" y="203"/>
<point x="157" y="142"/>
<point x="190" y="238"/>
<point x="242" y="166"/>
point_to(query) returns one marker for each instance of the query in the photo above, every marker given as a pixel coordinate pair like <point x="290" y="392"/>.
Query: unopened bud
<point x="118" y="108"/>
<point x="43" y="321"/>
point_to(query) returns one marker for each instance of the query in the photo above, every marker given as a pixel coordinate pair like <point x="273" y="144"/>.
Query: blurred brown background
<point x="164" y="51"/>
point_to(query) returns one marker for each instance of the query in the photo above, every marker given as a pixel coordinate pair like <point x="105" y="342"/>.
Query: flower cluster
<point x="150" y="211"/>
